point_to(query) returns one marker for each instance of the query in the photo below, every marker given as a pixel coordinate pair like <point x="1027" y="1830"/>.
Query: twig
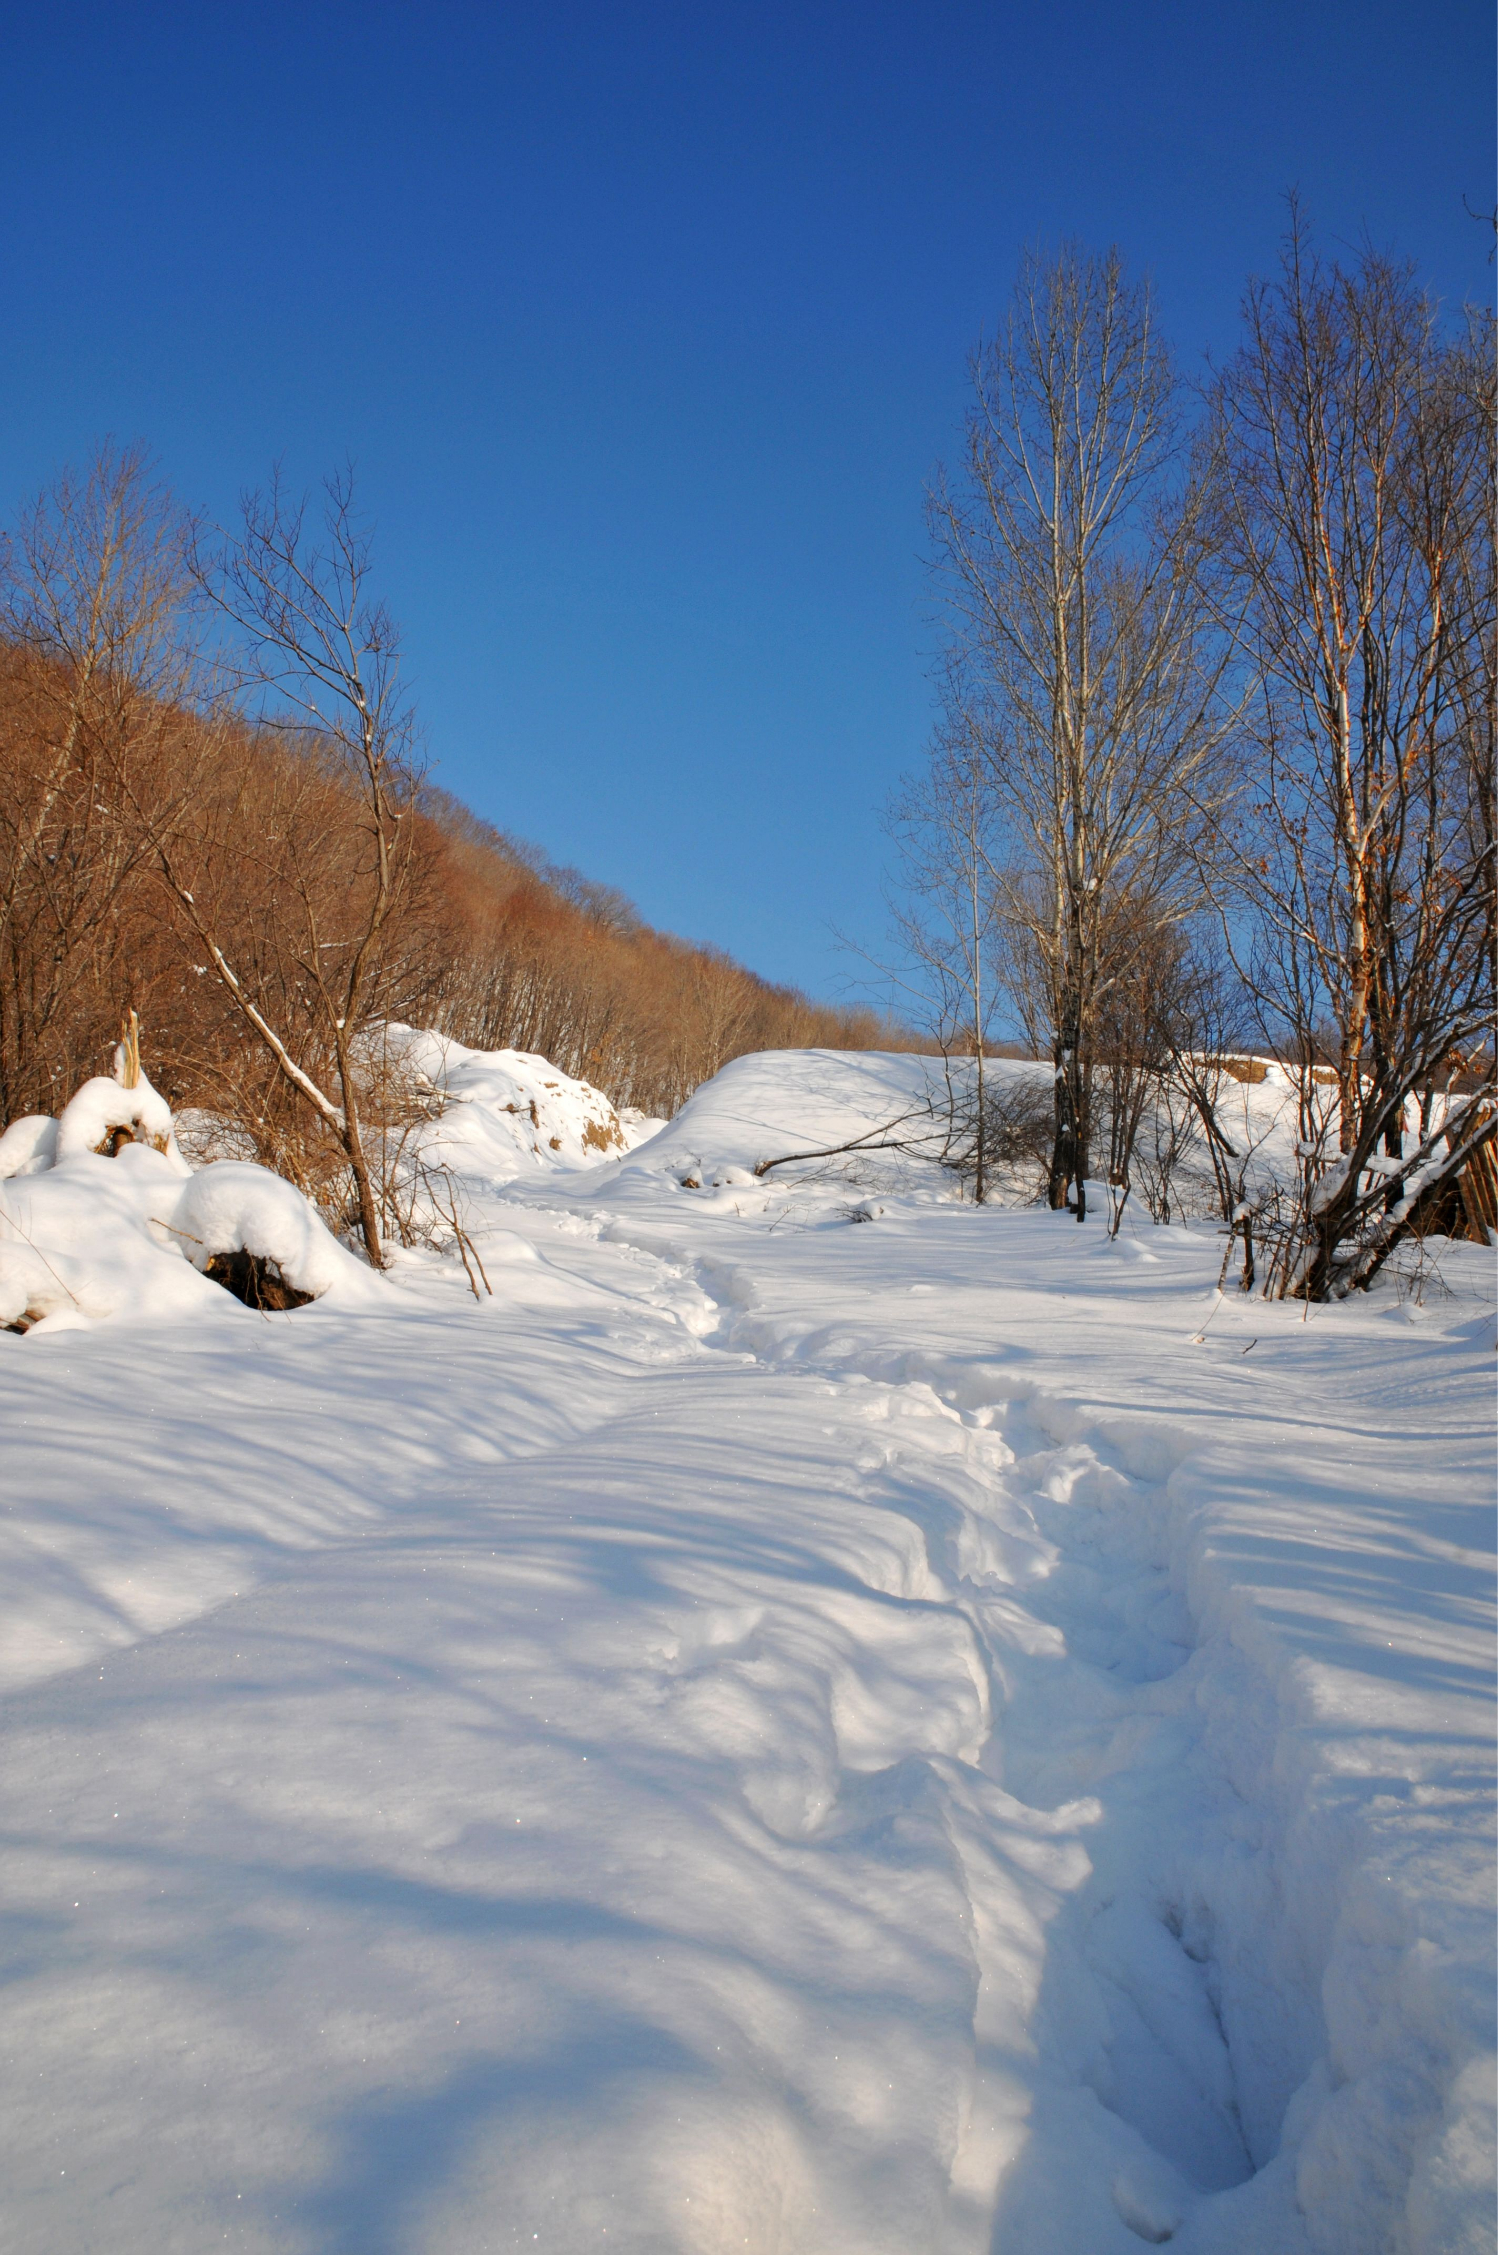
<point x="36" y="1249"/>
<point x="176" y="1233"/>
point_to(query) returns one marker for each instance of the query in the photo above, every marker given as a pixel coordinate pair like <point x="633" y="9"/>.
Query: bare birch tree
<point x="1079" y="651"/>
<point x="1354" y="517"/>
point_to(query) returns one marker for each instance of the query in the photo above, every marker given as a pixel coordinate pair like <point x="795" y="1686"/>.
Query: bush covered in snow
<point x="101" y="1218"/>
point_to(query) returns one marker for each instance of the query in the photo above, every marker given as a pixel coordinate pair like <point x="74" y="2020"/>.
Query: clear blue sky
<point x="645" y="324"/>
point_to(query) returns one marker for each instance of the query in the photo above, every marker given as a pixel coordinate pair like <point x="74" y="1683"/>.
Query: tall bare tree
<point x="1354" y="521"/>
<point x="314" y="659"/>
<point x="1079" y="651"/>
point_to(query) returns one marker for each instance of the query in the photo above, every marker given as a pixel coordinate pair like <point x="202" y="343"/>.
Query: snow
<point x="28" y="1145"/>
<point x="101" y="1105"/>
<point x="234" y="1205"/>
<point x="765" y="1733"/>
<point x="89" y="1239"/>
<point x="508" y="1113"/>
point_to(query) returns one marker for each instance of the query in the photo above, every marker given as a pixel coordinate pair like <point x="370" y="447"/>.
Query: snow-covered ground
<point x="817" y="1717"/>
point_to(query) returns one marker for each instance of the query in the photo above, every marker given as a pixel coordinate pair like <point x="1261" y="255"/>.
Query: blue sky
<point x="645" y="325"/>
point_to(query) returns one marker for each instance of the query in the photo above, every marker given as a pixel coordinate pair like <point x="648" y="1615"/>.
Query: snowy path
<point x="666" y="1761"/>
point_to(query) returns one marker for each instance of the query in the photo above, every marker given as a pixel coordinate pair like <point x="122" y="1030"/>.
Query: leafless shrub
<point x="1009" y="1127"/>
<point x="444" y="1215"/>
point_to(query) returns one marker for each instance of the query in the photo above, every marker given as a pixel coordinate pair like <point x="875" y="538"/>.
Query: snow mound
<point x="91" y="1234"/>
<point x="89" y="1241"/>
<point x="28" y="1145"/>
<point x="775" y="1102"/>
<point x="236" y="1207"/>
<point x="509" y="1113"/>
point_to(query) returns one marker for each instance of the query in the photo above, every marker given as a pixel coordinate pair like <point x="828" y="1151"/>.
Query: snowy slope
<point x="768" y="1733"/>
<point x="782" y="1101"/>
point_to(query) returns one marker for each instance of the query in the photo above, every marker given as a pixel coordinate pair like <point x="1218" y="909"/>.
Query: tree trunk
<point x="1065" y="1151"/>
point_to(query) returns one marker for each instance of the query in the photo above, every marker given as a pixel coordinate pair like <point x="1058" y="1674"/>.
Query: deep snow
<point x="767" y="1733"/>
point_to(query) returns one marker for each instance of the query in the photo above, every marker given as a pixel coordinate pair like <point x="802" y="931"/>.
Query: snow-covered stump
<point x="258" y="1236"/>
<point x="103" y="1117"/>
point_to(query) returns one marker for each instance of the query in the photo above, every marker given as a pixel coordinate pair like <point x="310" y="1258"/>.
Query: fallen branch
<point x="875" y="1139"/>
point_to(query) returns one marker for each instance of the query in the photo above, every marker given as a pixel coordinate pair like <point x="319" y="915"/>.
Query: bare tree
<point x="1354" y="519"/>
<point x="315" y="661"/>
<point x="1132" y="1091"/>
<point x="1079" y="652"/>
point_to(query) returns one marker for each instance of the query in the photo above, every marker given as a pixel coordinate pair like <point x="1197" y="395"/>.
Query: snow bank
<point x="508" y="1113"/>
<point x="84" y="1246"/>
